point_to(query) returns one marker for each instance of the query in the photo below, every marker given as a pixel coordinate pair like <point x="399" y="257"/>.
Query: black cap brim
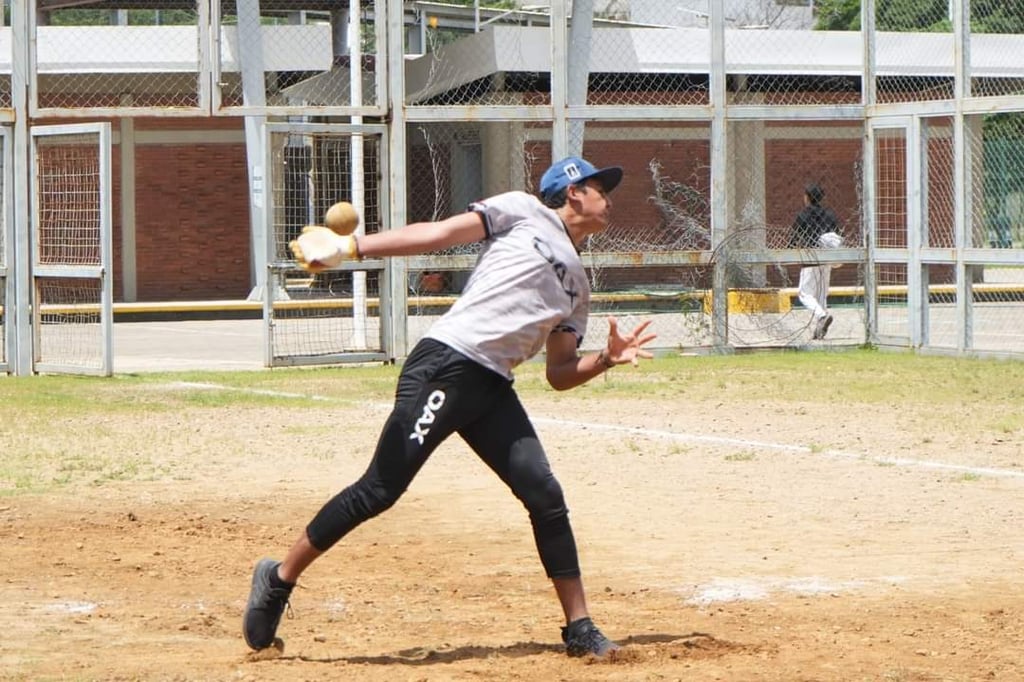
<point x="609" y="177"/>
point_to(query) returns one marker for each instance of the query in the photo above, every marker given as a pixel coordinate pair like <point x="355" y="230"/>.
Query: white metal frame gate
<point x="8" y="284"/>
<point x="327" y="318"/>
<point x="72" y="253"/>
<point x="894" y="230"/>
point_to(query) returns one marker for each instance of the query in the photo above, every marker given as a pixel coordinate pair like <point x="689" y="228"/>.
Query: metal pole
<point x="917" y="296"/>
<point x="250" y="55"/>
<point x="869" y="169"/>
<point x="395" y="269"/>
<point x="20" y="72"/>
<point x="355" y="53"/>
<point x="963" y="175"/>
<point x="580" y="37"/>
<point x="719" y="171"/>
<point x="559" y="97"/>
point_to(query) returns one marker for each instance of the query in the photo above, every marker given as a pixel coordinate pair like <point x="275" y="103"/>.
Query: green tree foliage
<point x="891" y="15"/>
<point x="996" y="16"/>
<point x="838" y="15"/>
<point x="136" y="17"/>
<point x="164" y="17"/>
<point x="987" y="16"/>
<point x="1002" y="132"/>
<point x="927" y="16"/>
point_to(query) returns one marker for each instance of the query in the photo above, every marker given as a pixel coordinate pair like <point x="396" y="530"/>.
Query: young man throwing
<point x="528" y="292"/>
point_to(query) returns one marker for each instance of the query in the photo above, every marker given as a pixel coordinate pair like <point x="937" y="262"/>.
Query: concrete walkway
<point x="188" y="345"/>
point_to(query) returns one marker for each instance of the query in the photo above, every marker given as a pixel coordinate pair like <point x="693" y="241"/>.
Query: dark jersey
<point x="812" y="222"/>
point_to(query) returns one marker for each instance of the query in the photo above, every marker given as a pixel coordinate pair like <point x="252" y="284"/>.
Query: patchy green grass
<point x="64" y="431"/>
<point x="741" y="457"/>
<point x="861" y="376"/>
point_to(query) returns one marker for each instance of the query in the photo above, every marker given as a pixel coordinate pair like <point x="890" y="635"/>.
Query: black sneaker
<point x="265" y="606"/>
<point x="826" y="322"/>
<point x="582" y="637"/>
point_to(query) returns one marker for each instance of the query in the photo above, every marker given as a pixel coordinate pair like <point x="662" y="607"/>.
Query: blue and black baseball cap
<point x="573" y="170"/>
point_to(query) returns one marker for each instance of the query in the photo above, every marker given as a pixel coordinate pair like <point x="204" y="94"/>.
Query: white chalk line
<point x="994" y="472"/>
<point x="800" y="449"/>
<point x="720" y="589"/>
<point x="202" y="386"/>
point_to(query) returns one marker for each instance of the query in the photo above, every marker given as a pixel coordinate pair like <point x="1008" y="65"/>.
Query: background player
<point x="816" y="226"/>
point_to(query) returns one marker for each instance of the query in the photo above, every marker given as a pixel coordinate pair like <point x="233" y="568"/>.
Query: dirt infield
<point x="721" y="538"/>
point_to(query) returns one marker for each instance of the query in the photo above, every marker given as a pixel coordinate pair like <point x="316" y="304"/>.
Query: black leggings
<point x="441" y="392"/>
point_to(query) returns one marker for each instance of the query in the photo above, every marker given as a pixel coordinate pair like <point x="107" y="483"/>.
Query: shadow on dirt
<point x="635" y="648"/>
<point x="424" y="656"/>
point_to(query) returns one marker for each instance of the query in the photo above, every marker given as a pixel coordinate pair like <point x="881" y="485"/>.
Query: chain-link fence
<point x="139" y="55"/>
<point x="996" y="30"/>
<point x="298" y="55"/>
<point x="659" y="253"/>
<point x="192" y="57"/>
<point x="793" y="76"/>
<point x="721" y="114"/>
<point x="320" y="317"/>
<point x="71" y="254"/>
<point x="7" y="289"/>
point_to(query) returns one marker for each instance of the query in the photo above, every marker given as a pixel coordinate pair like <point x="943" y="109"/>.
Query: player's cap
<point x="573" y="170"/>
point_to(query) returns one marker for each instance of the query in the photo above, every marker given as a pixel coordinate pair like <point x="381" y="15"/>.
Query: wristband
<point x="604" y="359"/>
<point x="349" y="247"/>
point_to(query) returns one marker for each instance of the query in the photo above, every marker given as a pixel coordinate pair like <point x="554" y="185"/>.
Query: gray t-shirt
<point x="528" y="281"/>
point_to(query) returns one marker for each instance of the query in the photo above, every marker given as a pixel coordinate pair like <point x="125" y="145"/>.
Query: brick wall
<point x="192" y="227"/>
<point x="192" y="214"/>
<point x="192" y="221"/>
<point x="192" y="206"/>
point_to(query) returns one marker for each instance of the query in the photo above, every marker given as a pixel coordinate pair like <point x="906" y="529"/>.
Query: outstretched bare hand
<point x="629" y="347"/>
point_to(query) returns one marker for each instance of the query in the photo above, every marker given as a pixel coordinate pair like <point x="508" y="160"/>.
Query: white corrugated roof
<point x="167" y="49"/>
<point x="687" y="50"/>
<point x="170" y="49"/>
